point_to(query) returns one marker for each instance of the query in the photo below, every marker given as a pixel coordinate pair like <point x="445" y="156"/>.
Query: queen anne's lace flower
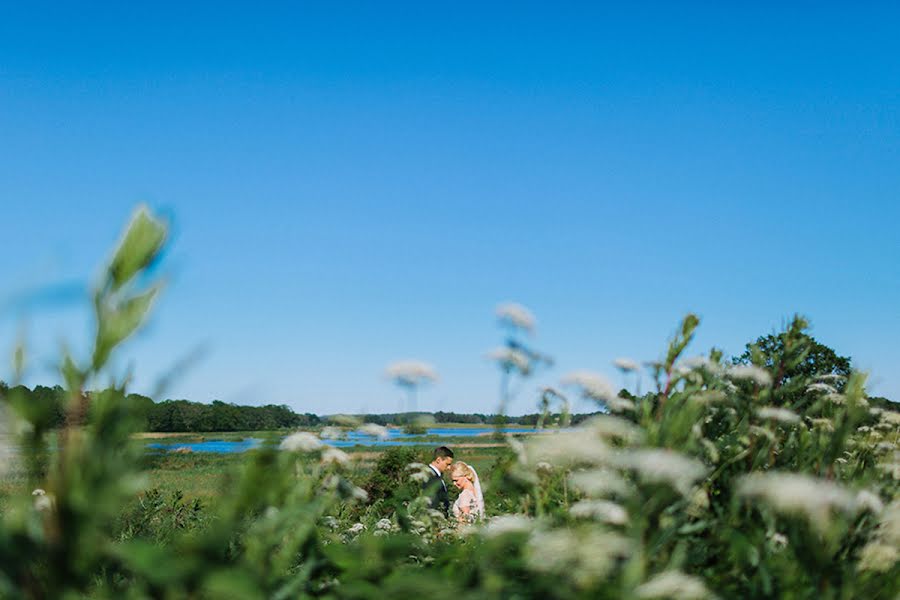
<point x="302" y="441"/>
<point x="515" y="315"/>
<point x="674" y="585"/>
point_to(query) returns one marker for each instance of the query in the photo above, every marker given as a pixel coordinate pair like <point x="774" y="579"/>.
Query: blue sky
<point x="358" y="183"/>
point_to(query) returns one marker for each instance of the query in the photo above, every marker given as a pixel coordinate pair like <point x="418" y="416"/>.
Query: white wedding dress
<point x="473" y="500"/>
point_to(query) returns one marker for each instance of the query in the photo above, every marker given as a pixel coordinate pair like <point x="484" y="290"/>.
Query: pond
<point x="396" y="437"/>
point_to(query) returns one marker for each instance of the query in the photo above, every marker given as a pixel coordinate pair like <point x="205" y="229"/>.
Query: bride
<point x="469" y="506"/>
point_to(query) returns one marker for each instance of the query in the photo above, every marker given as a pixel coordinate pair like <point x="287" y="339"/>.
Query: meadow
<point x="773" y="474"/>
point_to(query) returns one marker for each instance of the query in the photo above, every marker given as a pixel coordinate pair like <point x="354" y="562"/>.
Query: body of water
<point x="396" y="437"/>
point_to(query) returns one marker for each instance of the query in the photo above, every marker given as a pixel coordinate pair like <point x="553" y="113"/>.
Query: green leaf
<point x="140" y="245"/>
<point x="115" y="324"/>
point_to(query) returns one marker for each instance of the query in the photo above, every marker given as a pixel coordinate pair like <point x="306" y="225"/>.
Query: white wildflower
<point x="708" y="396"/>
<point x="711" y="450"/>
<point x="359" y="494"/>
<point x="699" y="503"/>
<point x="867" y="500"/>
<point x="510" y="313"/>
<point x="567" y="447"/>
<point x="505" y="524"/>
<point x="510" y="358"/>
<point x="890" y="523"/>
<point x="411" y="372"/>
<point x="835" y="398"/>
<point x="335" y="456"/>
<point x="756" y="374"/>
<point x="421" y="473"/>
<point x="761" y="432"/>
<point x="821" y="387"/>
<point x="331" y="523"/>
<point x="793" y="493"/>
<point x="823" y="423"/>
<point x="302" y="441"/>
<point x="779" y="540"/>
<point x="517" y="447"/>
<point x="331" y="433"/>
<point x="593" y="385"/>
<point x="890" y="416"/>
<point x="626" y="364"/>
<point x="587" y="556"/>
<point x="878" y="556"/>
<point x="356" y="529"/>
<point x="42" y="501"/>
<point x="375" y="430"/>
<point x="782" y="415"/>
<point x="674" y="584"/>
<point x="885" y="446"/>
<point x="601" y="510"/>
<point x="600" y="482"/>
<point x="619" y="404"/>
<point x="384" y="524"/>
<point x="662" y="466"/>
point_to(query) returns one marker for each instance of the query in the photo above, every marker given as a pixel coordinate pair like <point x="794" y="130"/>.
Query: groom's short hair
<point x="443" y="452"/>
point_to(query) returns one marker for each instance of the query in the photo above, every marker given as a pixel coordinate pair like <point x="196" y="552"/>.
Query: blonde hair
<point x="461" y="469"/>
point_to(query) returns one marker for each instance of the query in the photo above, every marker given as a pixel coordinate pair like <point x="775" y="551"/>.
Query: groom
<point x="435" y="488"/>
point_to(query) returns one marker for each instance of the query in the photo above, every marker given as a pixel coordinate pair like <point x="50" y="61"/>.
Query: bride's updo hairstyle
<point x="461" y="469"/>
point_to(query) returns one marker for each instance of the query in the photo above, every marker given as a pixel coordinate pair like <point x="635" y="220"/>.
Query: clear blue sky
<point x="354" y="183"/>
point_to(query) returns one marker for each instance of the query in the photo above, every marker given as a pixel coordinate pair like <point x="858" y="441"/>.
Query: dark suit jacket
<point x="436" y="489"/>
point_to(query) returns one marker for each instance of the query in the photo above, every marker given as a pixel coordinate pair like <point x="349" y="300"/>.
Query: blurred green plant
<point x="750" y="479"/>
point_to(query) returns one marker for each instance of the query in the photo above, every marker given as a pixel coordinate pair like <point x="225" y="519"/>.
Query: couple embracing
<point x="469" y="506"/>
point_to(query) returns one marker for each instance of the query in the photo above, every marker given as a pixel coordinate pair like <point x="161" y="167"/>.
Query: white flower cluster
<point x="375" y="430"/>
<point x="775" y="413"/>
<point x="674" y="584"/>
<point x="793" y="493"/>
<point x="411" y="372"/>
<point x="758" y="375"/>
<point x="302" y="441"/>
<point x="592" y="385"/>
<point x="516" y="315"/>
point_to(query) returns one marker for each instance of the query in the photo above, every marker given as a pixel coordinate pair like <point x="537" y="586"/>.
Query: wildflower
<point x="510" y="358"/>
<point x="891" y="417"/>
<point x="543" y="467"/>
<point x="384" y="524"/>
<point x="600" y="482"/>
<point x="825" y="424"/>
<point x="674" y="584"/>
<point x="302" y="441"/>
<point x="331" y="433"/>
<point x="711" y="450"/>
<point x="42" y="501"/>
<point x="411" y="372"/>
<point x="356" y="529"/>
<point x="782" y="415"/>
<point x="592" y="385"/>
<point x="586" y="556"/>
<point x="869" y="501"/>
<point x="699" y="503"/>
<point x="505" y="524"/>
<point x="625" y="364"/>
<point x="662" y="466"/>
<point x="756" y="374"/>
<point x="601" y="510"/>
<point x="885" y="446"/>
<point x="420" y="472"/>
<point x="335" y="456"/>
<point x="619" y="404"/>
<point x="779" y="540"/>
<point x="378" y="431"/>
<point x="793" y="493"/>
<point x="821" y="387"/>
<point x="708" y="396"/>
<point x="878" y="556"/>
<point x="567" y="447"/>
<point x="517" y="447"/>
<point x="331" y="523"/>
<point x="515" y="315"/>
